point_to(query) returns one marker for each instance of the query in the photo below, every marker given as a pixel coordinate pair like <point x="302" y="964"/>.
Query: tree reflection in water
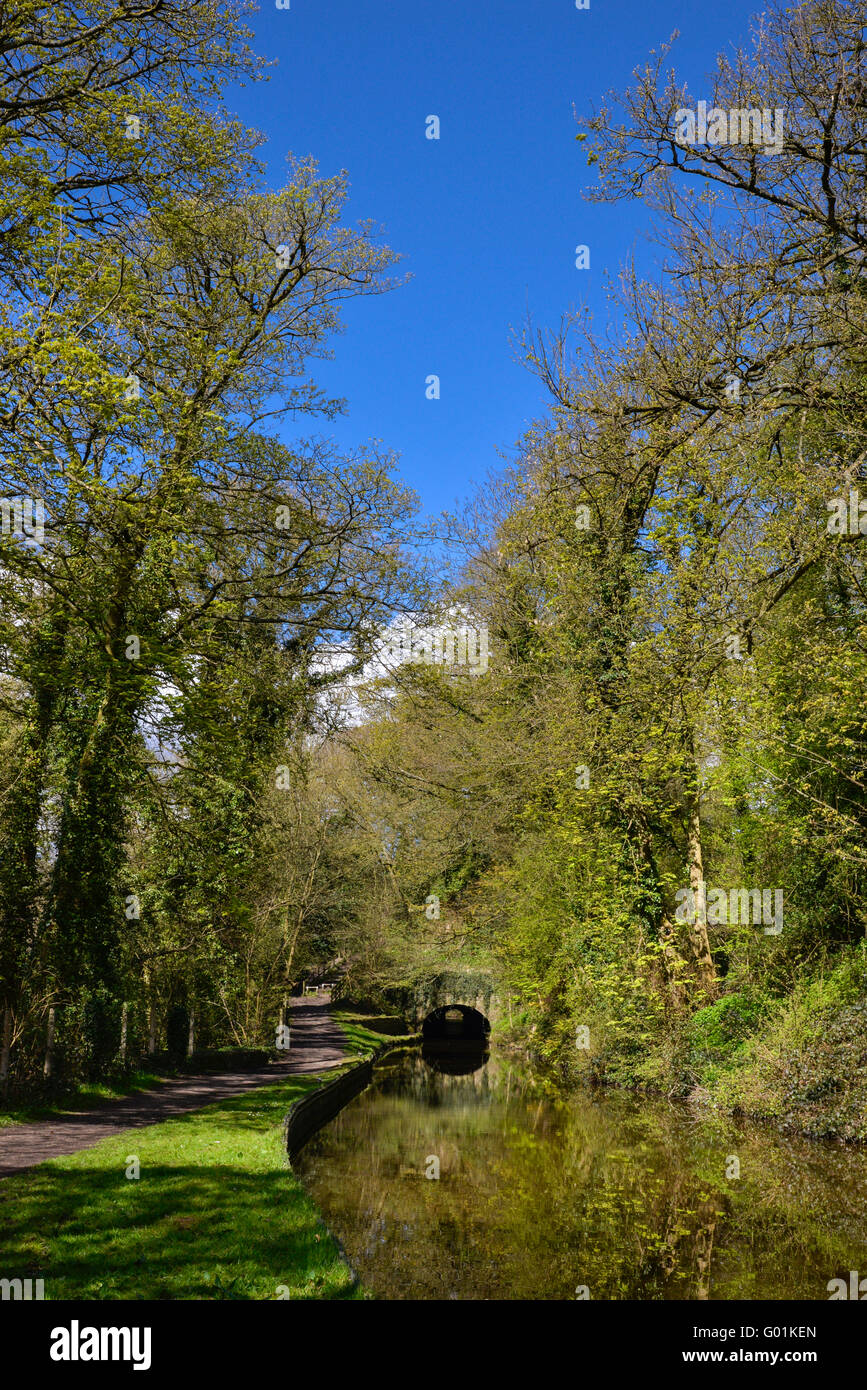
<point x="541" y="1191"/>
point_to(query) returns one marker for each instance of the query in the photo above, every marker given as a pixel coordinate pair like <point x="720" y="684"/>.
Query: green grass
<point x="84" y="1097"/>
<point x="216" y="1213"/>
<point x="360" y="1037"/>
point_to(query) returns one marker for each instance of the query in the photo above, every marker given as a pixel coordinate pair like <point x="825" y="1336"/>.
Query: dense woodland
<point x="211" y="783"/>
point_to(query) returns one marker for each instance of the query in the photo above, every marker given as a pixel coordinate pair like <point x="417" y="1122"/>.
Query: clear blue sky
<point x="487" y="217"/>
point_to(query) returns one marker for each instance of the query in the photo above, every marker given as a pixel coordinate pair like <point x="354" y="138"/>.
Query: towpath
<point x="316" y="1045"/>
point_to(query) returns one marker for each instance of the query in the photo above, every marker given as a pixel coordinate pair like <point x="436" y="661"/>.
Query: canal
<point x="495" y="1185"/>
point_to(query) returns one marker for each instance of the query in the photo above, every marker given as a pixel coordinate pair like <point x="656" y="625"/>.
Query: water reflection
<point x="455" y="1060"/>
<point x="541" y="1192"/>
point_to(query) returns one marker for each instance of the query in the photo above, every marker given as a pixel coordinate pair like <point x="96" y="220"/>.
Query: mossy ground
<point x="800" y="1060"/>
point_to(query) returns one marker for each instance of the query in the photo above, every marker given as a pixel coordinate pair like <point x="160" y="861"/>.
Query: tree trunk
<point x="48" y="1068"/>
<point x="124" y="1018"/>
<point x="152" y="1014"/>
<point x="698" y="937"/>
<point x="20" y="815"/>
<point x="672" y="961"/>
<point x="80" y="906"/>
<point x="191" y="1035"/>
<point x="6" y="1050"/>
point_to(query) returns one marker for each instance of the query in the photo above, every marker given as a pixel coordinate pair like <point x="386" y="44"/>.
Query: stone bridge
<point x="474" y="989"/>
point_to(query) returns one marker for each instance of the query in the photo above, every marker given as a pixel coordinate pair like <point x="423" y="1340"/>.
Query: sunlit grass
<point x="216" y="1213"/>
<point x="361" y="1038"/>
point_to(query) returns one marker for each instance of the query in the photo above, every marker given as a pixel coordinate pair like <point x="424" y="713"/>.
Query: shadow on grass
<point x="215" y="1213"/>
<point x="85" y="1097"/>
<point x="177" y="1233"/>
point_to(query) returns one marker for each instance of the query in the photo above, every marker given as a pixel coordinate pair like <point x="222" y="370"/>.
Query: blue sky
<point x="486" y="218"/>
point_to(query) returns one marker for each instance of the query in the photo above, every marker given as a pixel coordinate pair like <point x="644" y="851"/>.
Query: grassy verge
<point x="216" y="1213"/>
<point x="361" y="1035"/>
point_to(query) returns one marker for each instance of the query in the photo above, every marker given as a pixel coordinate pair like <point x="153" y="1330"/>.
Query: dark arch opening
<point x="456" y="1023"/>
<point x="458" y="1060"/>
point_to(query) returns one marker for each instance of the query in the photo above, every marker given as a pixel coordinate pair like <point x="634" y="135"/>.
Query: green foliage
<point x="675" y="689"/>
<point x="166" y="644"/>
<point x="718" y="1030"/>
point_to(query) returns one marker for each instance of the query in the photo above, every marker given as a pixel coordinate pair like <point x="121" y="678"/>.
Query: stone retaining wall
<point x="313" y="1111"/>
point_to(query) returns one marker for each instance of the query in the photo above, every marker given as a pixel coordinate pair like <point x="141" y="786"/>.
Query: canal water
<point x="561" y="1195"/>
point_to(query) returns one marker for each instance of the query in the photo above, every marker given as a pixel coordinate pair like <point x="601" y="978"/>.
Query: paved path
<point x="317" y="1044"/>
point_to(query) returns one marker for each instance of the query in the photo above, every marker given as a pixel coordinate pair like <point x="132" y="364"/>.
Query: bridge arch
<point x="455" y="1023"/>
